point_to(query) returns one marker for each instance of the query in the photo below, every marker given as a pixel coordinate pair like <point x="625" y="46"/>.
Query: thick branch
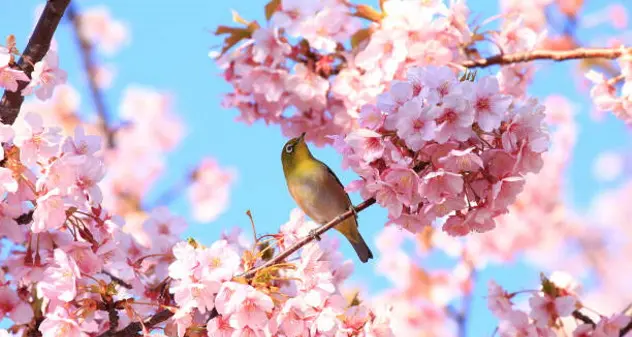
<point x="36" y="49"/>
<point x="574" y="54"/>
<point x="87" y="51"/>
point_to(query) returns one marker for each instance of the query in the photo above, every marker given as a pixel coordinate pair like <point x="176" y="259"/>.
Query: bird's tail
<point x="362" y="249"/>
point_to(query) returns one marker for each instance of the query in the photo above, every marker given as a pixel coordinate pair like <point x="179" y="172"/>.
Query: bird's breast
<point x="319" y="195"/>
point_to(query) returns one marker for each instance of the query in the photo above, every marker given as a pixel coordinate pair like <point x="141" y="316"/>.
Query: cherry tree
<point x="464" y="163"/>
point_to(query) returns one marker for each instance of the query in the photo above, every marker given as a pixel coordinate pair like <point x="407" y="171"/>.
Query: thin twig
<point x="87" y="56"/>
<point x="36" y="49"/>
<point x="118" y="280"/>
<point x="319" y="231"/>
<point x="553" y="55"/>
<point x="580" y="316"/>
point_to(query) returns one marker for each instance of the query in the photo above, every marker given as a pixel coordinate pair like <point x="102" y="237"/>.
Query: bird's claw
<point x="355" y="212"/>
<point x="313" y="235"/>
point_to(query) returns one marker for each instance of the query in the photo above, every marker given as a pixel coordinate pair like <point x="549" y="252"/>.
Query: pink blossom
<point x="34" y="140"/>
<point x="371" y="117"/>
<point x="81" y="252"/>
<point x="480" y="220"/>
<point x="252" y="310"/>
<point x="60" y="280"/>
<point x="455" y="118"/>
<point x="611" y="326"/>
<point x="81" y="143"/>
<point x="366" y="143"/>
<point x="19" y="311"/>
<point x="386" y="50"/>
<point x="60" y="323"/>
<point x="88" y="174"/>
<point x="390" y="101"/>
<point x="220" y="327"/>
<point x="545" y="310"/>
<point x="444" y="207"/>
<point x="98" y="27"/>
<point x="505" y="192"/>
<point x="164" y="228"/>
<point x="439" y="184"/>
<point x="517" y="324"/>
<point x="307" y="86"/>
<point x="330" y="25"/>
<point x="462" y="161"/>
<point x="526" y="126"/>
<point x="46" y="75"/>
<point x="7" y="181"/>
<point x="268" y="46"/>
<point x="414" y="223"/>
<point x="456" y="226"/>
<point x="416" y="123"/>
<point x="293" y="318"/>
<point x="50" y="212"/>
<point x="515" y="37"/>
<point x="210" y="191"/>
<point x="437" y="82"/>
<point x="9" y="77"/>
<point x="220" y="261"/>
<point x="405" y="181"/>
<point x="489" y="104"/>
<point x="386" y="196"/>
<point x="292" y="15"/>
<point x="498" y="300"/>
<point x="296" y="228"/>
<point x="228" y="297"/>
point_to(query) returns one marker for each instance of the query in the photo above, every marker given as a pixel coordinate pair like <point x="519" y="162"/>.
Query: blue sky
<point x="170" y="41"/>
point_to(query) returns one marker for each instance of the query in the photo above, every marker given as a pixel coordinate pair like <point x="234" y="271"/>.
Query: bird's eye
<point x="289" y="148"/>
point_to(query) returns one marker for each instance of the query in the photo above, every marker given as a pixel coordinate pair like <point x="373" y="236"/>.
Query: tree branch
<point x="36" y="49"/>
<point x="134" y="328"/>
<point x="574" y="54"/>
<point x="87" y="56"/>
<point x="319" y="231"/>
<point x="585" y="319"/>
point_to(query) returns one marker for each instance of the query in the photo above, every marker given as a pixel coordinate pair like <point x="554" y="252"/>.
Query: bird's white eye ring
<point x="289" y="148"/>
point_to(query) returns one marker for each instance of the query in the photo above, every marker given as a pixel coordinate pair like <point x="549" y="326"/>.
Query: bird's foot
<point x="354" y="210"/>
<point x="313" y="235"/>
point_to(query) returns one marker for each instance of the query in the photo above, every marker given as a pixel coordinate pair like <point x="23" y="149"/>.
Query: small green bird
<point x="319" y="193"/>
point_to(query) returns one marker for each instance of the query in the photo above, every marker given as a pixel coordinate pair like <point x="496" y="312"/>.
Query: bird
<point x="319" y="193"/>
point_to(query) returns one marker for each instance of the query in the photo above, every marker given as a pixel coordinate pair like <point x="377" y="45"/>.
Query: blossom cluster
<point x="297" y="72"/>
<point x="79" y="265"/>
<point x="435" y="146"/>
<point x="605" y="94"/>
<point x="303" y="298"/>
<point x="556" y="301"/>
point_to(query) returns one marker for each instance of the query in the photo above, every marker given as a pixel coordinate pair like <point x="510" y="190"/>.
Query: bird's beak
<point x="302" y="137"/>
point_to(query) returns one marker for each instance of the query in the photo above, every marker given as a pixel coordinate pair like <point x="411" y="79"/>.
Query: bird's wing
<point x="341" y="185"/>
